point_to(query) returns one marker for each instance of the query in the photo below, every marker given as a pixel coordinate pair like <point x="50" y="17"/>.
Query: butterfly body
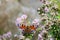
<point x="27" y="29"/>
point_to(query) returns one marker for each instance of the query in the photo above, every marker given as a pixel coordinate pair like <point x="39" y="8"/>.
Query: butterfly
<point x="27" y="29"/>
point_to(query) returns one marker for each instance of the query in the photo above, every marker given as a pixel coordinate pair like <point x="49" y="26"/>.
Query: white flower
<point x="38" y="9"/>
<point x="55" y="5"/>
<point x="40" y="37"/>
<point x="15" y="35"/>
<point x="21" y="37"/>
<point x="27" y="39"/>
<point x="51" y="39"/>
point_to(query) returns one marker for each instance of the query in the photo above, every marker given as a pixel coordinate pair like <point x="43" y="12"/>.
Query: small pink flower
<point x="9" y="34"/>
<point x="40" y="37"/>
<point x="46" y="9"/>
<point x="36" y="21"/>
<point x="18" y="20"/>
<point x="23" y="16"/>
<point x="47" y="2"/>
<point x="4" y="35"/>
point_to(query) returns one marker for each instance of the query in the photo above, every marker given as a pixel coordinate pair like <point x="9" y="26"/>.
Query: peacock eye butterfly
<point x="27" y="29"/>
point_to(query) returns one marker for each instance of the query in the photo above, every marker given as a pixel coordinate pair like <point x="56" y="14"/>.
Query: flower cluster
<point x="48" y="13"/>
<point x="6" y="35"/>
<point x="20" y="20"/>
<point x="23" y="19"/>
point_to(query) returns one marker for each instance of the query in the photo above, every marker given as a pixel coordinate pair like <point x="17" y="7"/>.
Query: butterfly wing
<point x="23" y="26"/>
<point x="28" y="29"/>
<point x="33" y="27"/>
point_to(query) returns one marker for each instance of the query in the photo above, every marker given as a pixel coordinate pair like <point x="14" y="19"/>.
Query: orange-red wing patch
<point x="32" y="27"/>
<point x="27" y="29"/>
<point x="23" y="26"/>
